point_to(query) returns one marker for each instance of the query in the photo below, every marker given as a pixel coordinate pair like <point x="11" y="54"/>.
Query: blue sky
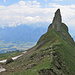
<point x="17" y="12"/>
<point x="42" y="2"/>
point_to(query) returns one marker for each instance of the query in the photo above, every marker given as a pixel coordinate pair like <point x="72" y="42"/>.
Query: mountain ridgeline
<point x="63" y="46"/>
<point x="54" y="53"/>
<point x="22" y="33"/>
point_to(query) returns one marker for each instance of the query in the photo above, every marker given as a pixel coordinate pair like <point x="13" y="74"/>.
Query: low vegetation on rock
<point x="9" y="60"/>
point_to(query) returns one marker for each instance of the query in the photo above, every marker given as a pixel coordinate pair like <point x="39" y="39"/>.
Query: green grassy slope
<point x="54" y="54"/>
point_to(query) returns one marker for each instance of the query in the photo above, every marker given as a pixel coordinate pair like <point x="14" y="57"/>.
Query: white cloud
<point x="22" y="2"/>
<point x="58" y="0"/>
<point x="45" y="0"/>
<point x="32" y="12"/>
<point x="4" y="1"/>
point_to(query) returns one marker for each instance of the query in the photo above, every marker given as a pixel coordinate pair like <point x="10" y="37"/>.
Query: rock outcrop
<point x="57" y="21"/>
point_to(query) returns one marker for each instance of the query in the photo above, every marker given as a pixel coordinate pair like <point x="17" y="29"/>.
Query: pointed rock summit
<point x="57" y="21"/>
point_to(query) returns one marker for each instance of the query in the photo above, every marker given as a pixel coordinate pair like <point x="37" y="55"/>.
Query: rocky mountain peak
<point x="57" y="21"/>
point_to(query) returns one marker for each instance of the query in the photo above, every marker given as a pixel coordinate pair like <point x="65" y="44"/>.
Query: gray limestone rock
<point x="57" y="21"/>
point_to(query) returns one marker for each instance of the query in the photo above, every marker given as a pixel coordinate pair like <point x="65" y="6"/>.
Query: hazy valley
<point x="19" y="38"/>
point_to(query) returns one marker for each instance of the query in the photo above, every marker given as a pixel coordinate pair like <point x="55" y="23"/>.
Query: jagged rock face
<point x="57" y="21"/>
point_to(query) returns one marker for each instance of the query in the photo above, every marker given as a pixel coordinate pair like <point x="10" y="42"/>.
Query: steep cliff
<point x="57" y="21"/>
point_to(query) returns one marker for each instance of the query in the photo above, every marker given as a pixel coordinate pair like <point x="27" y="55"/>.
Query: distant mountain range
<point x="22" y="33"/>
<point x="21" y="37"/>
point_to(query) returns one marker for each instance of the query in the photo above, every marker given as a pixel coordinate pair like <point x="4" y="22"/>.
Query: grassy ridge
<point x="54" y="53"/>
